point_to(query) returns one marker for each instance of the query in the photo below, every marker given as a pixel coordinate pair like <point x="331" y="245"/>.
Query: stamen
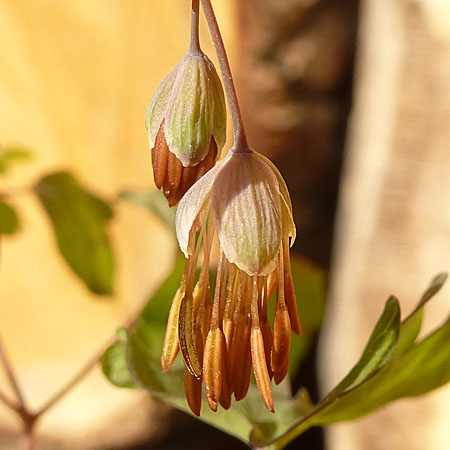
<point x="227" y="391"/>
<point x="203" y="166"/>
<point x="280" y="375"/>
<point x="208" y="233"/>
<point x="187" y="337"/>
<point x="213" y="366"/>
<point x="193" y="385"/>
<point x="218" y="294"/>
<point x="258" y="353"/>
<point x="227" y="328"/>
<point x="230" y="303"/>
<point x="271" y="283"/>
<point x="171" y="343"/>
<point x="238" y="330"/>
<point x="289" y="291"/>
<point x="214" y="369"/>
<point x="187" y="180"/>
<point x="173" y="178"/>
<point x="243" y="362"/>
<point x="193" y="391"/>
<point x="186" y="331"/>
<point x="160" y="153"/>
<point x="265" y="328"/>
<point x="281" y="329"/>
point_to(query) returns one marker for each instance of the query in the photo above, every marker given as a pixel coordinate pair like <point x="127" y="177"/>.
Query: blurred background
<point x="350" y="98"/>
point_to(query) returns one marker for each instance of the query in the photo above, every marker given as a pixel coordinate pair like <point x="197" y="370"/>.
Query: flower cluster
<point x="244" y="202"/>
<point x="241" y="207"/>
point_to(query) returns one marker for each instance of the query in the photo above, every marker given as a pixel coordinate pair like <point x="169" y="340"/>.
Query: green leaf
<point x="378" y="350"/>
<point x="9" y="221"/>
<point x="114" y="364"/>
<point x="153" y="201"/>
<point x="426" y="366"/>
<point x="419" y="369"/>
<point x="79" y="218"/>
<point x="410" y="327"/>
<point x="382" y="374"/>
<point x="12" y="155"/>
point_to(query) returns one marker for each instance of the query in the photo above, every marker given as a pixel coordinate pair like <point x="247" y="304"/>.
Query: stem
<point x="7" y="402"/>
<point x="240" y="138"/>
<point x="29" y="440"/>
<point x="195" y="39"/>
<point x="87" y="367"/>
<point x="29" y="419"/>
<point x="12" y="377"/>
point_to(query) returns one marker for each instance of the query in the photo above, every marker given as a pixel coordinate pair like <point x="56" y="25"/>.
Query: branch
<point x="85" y="369"/>
<point x="12" y="378"/>
<point x="88" y="366"/>
<point x="7" y="402"/>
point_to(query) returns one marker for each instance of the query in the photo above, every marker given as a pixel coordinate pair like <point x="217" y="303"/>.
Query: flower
<point x="243" y="201"/>
<point x="186" y="124"/>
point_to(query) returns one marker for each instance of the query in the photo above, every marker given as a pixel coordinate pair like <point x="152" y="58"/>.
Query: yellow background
<point x="75" y="81"/>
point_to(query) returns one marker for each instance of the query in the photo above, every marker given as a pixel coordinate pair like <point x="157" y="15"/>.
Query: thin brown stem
<point x="240" y="138"/>
<point x="29" y="440"/>
<point x="30" y="419"/>
<point x="12" y="377"/>
<point x="195" y="39"/>
<point x="7" y="402"/>
<point x="85" y="369"/>
<point x="70" y="384"/>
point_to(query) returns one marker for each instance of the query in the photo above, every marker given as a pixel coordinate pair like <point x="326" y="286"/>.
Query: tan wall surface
<point x="75" y="80"/>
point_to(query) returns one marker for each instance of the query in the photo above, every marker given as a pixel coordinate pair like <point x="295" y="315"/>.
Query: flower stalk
<point x="240" y="137"/>
<point x="194" y="47"/>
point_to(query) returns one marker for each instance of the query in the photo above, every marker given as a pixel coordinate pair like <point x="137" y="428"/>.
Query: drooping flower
<point x="186" y="125"/>
<point x="244" y="202"/>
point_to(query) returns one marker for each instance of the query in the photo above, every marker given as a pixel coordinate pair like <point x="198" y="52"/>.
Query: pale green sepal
<point x="245" y="205"/>
<point x="220" y="110"/>
<point x="286" y="204"/>
<point x="158" y="106"/>
<point x="191" y="204"/>
<point x="190" y="113"/>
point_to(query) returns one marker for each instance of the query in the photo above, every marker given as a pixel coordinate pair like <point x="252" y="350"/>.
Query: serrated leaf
<point x="9" y="221"/>
<point x="11" y="155"/>
<point x="153" y="201"/>
<point x="79" y="219"/>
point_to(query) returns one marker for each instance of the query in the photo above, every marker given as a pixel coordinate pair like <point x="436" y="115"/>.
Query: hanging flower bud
<point x="243" y="201"/>
<point x="186" y="124"/>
